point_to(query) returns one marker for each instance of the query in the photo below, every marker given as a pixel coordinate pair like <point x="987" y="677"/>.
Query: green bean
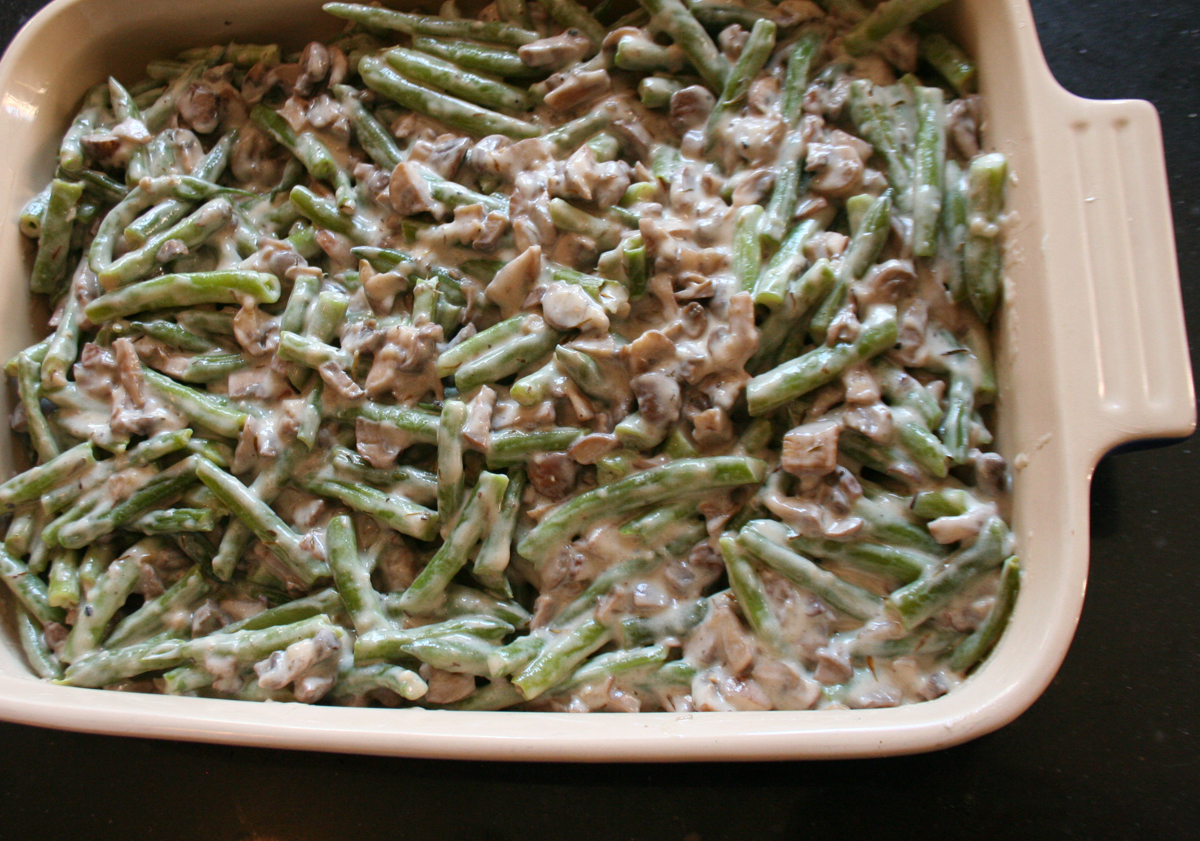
<point x="394" y="511"/>
<point x="102" y="187"/>
<point x="419" y="425"/>
<point x="185" y="290"/>
<point x="721" y="15"/>
<point x="656" y="91"/>
<point x="573" y="15"/>
<point x="767" y="542"/>
<point x="157" y="115"/>
<point x="412" y="482"/>
<point x="751" y="595"/>
<point x="747" y="247"/>
<point x="312" y="353"/>
<point x="110" y="592"/>
<point x="446" y="76"/>
<point x="63" y="590"/>
<point x="482" y="510"/>
<point x="567" y="217"/>
<point x="672" y="17"/>
<point x="949" y="60"/>
<point x="311" y="152"/>
<point x="172" y="606"/>
<point x="488" y="32"/>
<point x="206" y="409"/>
<point x="889" y="459"/>
<point x="33" y="642"/>
<point x="50" y="265"/>
<point x="641" y="55"/>
<point x="793" y="379"/>
<point x="510" y="659"/>
<point x="955" y="427"/>
<point x="323" y="602"/>
<point x="515" y="446"/>
<point x="173" y="520"/>
<point x="30" y="590"/>
<point x="265" y="523"/>
<point x="325" y="214"/>
<point x="585" y="372"/>
<point x="953" y="232"/>
<point x="876" y="122"/>
<point x="982" y="255"/>
<point x="351" y="576"/>
<point x="654" y="486"/>
<point x="34" y="212"/>
<point x="615" y="664"/>
<point x="215" y="323"/>
<point x="676" y="622"/>
<point x="462" y="653"/>
<point x="374" y="138"/>
<point x="972" y="649"/>
<point x="70" y="154"/>
<point x="450" y="463"/>
<point x="387" y="643"/>
<point x="749" y="64"/>
<point x="101" y="667"/>
<point x="930" y="149"/>
<point x="884" y="19"/>
<point x="192" y="230"/>
<point x="560" y="658"/>
<point x="211" y="367"/>
<point x="163" y="487"/>
<point x="866" y="244"/>
<point x="362" y="680"/>
<point x="944" y="502"/>
<point x="637" y="433"/>
<point x="22" y="528"/>
<point x="443" y="107"/>
<point x="465" y="601"/>
<point x="175" y="335"/>
<point x="773" y="282"/>
<point x="903" y="563"/>
<point x="508" y="358"/>
<point x="917" y="601"/>
<point x="495" y="61"/>
<point x="570" y="136"/>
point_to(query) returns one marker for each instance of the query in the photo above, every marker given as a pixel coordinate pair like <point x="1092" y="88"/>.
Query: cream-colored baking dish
<point x="1092" y="354"/>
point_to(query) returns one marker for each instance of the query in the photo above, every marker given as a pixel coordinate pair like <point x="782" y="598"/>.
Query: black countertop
<point x="1111" y="750"/>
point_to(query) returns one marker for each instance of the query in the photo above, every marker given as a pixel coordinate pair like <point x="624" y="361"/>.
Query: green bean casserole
<point x="629" y="358"/>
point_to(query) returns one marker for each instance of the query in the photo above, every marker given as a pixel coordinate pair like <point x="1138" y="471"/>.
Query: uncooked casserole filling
<point x="623" y="359"/>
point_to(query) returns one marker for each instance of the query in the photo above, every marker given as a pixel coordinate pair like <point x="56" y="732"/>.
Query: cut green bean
<point x="649" y="487"/>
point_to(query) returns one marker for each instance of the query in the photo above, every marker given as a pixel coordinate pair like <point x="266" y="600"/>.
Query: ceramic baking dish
<point x="1091" y="347"/>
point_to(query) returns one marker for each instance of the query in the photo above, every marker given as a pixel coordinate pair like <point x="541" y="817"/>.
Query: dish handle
<point x="1110" y="247"/>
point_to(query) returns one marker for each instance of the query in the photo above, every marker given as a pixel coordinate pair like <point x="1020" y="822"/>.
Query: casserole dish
<point x="1088" y="361"/>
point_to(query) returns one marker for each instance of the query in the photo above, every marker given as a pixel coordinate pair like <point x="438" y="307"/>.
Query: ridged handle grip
<point x="1125" y="330"/>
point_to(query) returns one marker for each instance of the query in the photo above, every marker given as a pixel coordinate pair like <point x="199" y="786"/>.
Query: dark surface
<point x="1111" y="750"/>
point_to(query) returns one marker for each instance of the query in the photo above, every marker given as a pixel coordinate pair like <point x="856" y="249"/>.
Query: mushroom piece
<point x="314" y="67"/>
<point x="579" y="87"/>
<point x="442" y="155"/>
<point x="198" y="108"/>
<point x="659" y="398"/>
<point x="839" y="168"/>
<point x="409" y="192"/>
<point x="511" y="285"/>
<point x="885" y="283"/>
<point x="566" y="306"/>
<point x="558" y="51"/>
<point x="690" y="108"/>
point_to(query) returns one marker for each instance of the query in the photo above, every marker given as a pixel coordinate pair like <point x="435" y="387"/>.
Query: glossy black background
<point x="1110" y="751"/>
